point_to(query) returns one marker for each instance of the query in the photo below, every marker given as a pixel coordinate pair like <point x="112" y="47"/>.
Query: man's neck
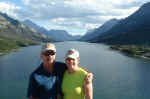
<point x="48" y="67"/>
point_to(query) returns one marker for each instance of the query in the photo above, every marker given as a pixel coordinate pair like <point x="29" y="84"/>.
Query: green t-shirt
<point x="72" y="85"/>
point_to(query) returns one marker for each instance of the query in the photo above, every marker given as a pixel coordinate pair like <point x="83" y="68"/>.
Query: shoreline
<point x="8" y="45"/>
<point x="133" y="50"/>
<point x="6" y="51"/>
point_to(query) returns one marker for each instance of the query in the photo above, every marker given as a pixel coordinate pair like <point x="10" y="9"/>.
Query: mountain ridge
<point x="57" y="35"/>
<point x="132" y="30"/>
<point x="100" y="30"/>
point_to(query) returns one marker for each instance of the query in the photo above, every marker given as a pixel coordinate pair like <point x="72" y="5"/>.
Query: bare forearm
<point x="88" y="86"/>
<point x="89" y="91"/>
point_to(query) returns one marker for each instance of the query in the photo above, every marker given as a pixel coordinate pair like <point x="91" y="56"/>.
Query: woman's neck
<point x="72" y="70"/>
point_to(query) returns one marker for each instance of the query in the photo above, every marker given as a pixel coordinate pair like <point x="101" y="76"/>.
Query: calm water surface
<point x="116" y="76"/>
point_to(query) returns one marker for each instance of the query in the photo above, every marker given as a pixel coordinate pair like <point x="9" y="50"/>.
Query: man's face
<point x="48" y="56"/>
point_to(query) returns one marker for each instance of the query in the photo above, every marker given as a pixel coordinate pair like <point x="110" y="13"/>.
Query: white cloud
<point x="61" y="20"/>
<point x="26" y="2"/>
<point x="91" y="26"/>
<point x="67" y="23"/>
<point x="72" y="14"/>
<point x="9" y="9"/>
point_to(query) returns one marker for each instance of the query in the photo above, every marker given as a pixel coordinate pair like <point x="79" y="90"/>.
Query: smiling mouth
<point x="70" y="64"/>
<point x="48" y="59"/>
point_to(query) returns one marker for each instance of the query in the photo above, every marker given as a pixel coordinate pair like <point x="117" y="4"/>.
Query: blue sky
<point x="74" y="16"/>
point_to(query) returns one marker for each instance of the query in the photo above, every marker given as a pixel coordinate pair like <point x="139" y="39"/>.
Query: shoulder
<point x="38" y="70"/>
<point x="59" y="63"/>
<point x="60" y="66"/>
<point x="83" y="71"/>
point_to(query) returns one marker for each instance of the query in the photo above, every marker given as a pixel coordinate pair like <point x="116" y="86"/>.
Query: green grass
<point x="133" y="50"/>
<point x="7" y="45"/>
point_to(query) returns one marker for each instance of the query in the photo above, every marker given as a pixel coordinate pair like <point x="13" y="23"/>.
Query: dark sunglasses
<point x="49" y="53"/>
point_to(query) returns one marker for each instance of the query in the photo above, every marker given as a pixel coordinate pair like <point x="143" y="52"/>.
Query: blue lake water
<point x="116" y="76"/>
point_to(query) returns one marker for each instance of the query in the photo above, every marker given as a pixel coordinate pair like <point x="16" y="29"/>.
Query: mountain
<point x="132" y="30"/>
<point x="62" y="35"/>
<point x="35" y="26"/>
<point x="57" y="35"/>
<point x="11" y="28"/>
<point x="88" y="35"/>
<point x="100" y="30"/>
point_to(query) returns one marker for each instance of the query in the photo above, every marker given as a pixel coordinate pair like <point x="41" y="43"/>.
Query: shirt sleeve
<point x="84" y="73"/>
<point x="33" y="89"/>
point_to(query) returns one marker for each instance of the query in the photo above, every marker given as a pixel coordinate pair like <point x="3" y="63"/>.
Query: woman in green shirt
<point x="75" y="84"/>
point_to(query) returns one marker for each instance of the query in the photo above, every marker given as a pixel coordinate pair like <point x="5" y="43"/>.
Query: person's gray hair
<point x="48" y="46"/>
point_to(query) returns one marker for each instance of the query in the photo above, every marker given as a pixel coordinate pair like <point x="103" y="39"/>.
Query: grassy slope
<point x="7" y="45"/>
<point x="133" y="50"/>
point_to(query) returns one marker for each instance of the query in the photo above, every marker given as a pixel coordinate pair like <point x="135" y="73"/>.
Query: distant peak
<point x="114" y="19"/>
<point x="27" y="20"/>
<point x="146" y="5"/>
<point x="3" y="14"/>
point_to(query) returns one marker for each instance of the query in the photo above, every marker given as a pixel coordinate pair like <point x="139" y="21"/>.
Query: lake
<point x="116" y="76"/>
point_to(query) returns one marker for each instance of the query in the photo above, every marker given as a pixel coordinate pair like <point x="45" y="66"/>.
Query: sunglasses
<point x="49" y="53"/>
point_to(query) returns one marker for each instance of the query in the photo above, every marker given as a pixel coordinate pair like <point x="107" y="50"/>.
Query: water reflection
<point x="116" y="76"/>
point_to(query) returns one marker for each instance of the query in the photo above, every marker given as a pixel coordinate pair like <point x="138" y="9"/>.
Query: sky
<point x="74" y="16"/>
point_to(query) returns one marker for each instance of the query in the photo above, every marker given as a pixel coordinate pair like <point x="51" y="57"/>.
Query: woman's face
<point x="72" y="63"/>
